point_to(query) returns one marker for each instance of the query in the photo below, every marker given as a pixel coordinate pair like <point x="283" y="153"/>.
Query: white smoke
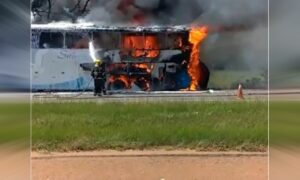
<point x="103" y="12"/>
<point x="234" y="11"/>
<point x="284" y="44"/>
<point x="174" y="12"/>
<point x="163" y="12"/>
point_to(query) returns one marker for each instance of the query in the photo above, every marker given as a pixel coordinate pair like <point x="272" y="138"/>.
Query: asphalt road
<point x="226" y="95"/>
<point x="217" y="95"/>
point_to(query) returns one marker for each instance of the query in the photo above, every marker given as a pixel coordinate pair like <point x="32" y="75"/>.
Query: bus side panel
<point x="59" y="70"/>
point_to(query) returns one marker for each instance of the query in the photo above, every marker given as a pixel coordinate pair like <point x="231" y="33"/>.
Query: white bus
<point x="140" y="58"/>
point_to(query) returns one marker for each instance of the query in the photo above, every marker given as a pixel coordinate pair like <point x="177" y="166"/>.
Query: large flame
<point x="141" y="46"/>
<point x="125" y="79"/>
<point x="196" y="36"/>
<point x="129" y="80"/>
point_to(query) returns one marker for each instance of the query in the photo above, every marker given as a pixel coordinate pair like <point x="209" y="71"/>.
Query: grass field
<point x="15" y="124"/>
<point x="284" y="123"/>
<point x="198" y="125"/>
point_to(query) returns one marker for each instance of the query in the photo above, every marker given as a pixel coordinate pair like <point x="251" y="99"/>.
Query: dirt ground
<point x="160" y="165"/>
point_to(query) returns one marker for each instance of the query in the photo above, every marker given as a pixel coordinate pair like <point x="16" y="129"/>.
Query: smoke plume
<point x="244" y="49"/>
<point x="164" y="12"/>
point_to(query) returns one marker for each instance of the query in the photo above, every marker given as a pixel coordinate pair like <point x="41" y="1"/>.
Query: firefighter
<point x="99" y="76"/>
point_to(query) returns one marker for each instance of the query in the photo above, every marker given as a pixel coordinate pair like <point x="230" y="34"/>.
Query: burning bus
<point x="156" y="58"/>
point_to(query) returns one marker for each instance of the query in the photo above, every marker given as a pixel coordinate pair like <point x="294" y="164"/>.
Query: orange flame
<point x="196" y="36"/>
<point x="143" y="66"/>
<point x="130" y="80"/>
<point x="122" y="78"/>
<point x="141" y="46"/>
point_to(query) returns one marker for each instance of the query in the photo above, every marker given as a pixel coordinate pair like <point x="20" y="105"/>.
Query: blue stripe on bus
<point x="77" y="84"/>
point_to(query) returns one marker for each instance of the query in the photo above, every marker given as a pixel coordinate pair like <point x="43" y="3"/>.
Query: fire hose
<point x="77" y="95"/>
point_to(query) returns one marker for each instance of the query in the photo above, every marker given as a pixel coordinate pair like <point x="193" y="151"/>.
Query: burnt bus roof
<point x="66" y="27"/>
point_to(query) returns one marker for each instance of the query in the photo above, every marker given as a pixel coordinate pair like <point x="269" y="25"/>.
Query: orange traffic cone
<point x="240" y="94"/>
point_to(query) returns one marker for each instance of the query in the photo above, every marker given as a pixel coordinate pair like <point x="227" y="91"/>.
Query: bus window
<point x="77" y="40"/>
<point x="106" y="40"/>
<point x="35" y="40"/>
<point x="51" y="40"/>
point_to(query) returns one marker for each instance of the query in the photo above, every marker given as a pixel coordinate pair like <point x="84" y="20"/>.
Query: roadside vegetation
<point x="284" y="124"/>
<point x="15" y="124"/>
<point x="212" y="126"/>
<point x="231" y="79"/>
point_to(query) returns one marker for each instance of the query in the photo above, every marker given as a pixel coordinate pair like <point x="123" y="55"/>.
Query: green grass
<point x="196" y="125"/>
<point x="284" y="123"/>
<point x="15" y="124"/>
